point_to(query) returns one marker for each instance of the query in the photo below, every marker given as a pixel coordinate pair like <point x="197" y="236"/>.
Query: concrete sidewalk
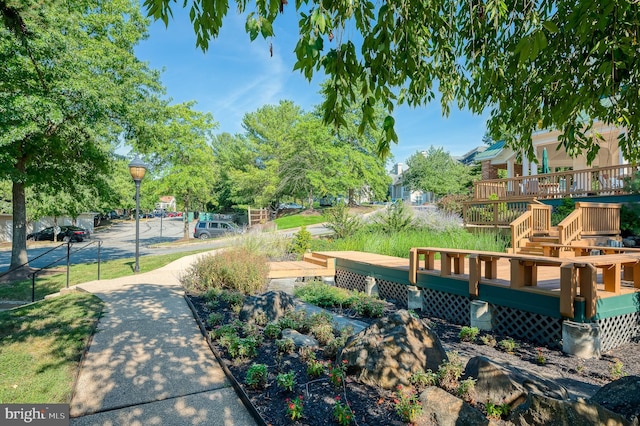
<point x="148" y="363"/>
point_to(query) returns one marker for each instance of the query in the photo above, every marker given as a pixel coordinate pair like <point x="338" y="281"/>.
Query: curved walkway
<point x="148" y="363"/>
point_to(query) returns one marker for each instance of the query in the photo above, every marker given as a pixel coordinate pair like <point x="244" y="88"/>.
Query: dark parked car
<point x="215" y="228"/>
<point x="66" y="233"/>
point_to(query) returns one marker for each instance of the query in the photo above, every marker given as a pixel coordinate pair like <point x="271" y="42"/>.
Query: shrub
<point x="395" y="218"/>
<point x="223" y="330"/>
<point x="236" y="268"/>
<point x="368" y="306"/>
<point x="306" y="353"/>
<point x="453" y="203"/>
<point x="630" y="220"/>
<point x="468" y="334"/>
<point x="256" y="376"/>
<point x="438" y="220"/>
<point x="340" y="221"/>
<point x="233" y="298"/>
<point x="243" y="348"/>
<point x="566" y="207"/>
<point x="323" y="295"/>
<point x="497" y="411"/>
<point x="301" y="242"/>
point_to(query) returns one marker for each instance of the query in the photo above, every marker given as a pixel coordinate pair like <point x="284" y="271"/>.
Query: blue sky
<point x="236" y="76"/>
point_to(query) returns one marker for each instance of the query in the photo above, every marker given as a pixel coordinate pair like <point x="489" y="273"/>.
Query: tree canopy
<point x="547" y="64"/>
<point x="436" y="171"/>
<point x="70" y="90"/>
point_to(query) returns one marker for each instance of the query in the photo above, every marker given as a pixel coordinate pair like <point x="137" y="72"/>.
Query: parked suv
<point x="215" y="228"/>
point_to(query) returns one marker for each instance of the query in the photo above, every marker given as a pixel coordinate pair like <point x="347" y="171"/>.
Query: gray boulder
<point x="621" y="396"/>
<point x="541" y="410"/>
<point x="299" y="339"/>
<point x="441" y="408"/>
<point x="273" y="304"/>
<point x="503" y="384"/>
<point x="390" y="350"/>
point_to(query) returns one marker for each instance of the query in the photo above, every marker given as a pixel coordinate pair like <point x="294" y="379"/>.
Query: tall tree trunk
<point x="185" y="217"/>
<point x="19" y="239"/>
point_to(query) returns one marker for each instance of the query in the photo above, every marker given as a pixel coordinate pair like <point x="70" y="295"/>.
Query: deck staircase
<point x="590" y="224"/>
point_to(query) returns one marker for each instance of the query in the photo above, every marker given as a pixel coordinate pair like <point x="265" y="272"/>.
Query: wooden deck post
<point x="523" y="273"/>
<point x="588" y="288"/>
<point x="474" y="275"/>
<point x="413" y="265"/>
<point x="568" y="289"/>
<point x="611" y="278"/>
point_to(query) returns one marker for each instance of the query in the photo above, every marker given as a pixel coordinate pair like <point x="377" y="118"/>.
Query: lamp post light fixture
<point x="137" y="168"/>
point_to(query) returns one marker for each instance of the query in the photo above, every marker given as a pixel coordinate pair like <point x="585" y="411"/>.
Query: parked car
<point x="215" y="228"/>
<point x="67" y="233"/>
<point x="289" y="206"/>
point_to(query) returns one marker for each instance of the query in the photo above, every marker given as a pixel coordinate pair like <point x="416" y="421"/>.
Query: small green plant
<point x="295" y="409"/>
<point x="540" y="358"/>
<point x="407" y="404"/>
<point x="334" y="345"/>
<point x="233" y="298"/>
<point x="260" y="318"/>
<point x="301" y="242"/>
<point x="340" y="221"/>
<point x="421" y="379"/>
<point x="617" y="369"/>
<point x="489" y="340"/>
<point x="256" y="376"/>
<point x="323" y="333"/>
<point x="213" y="295"/>
<point x="213" y="304"/>
<point x="368" y="306"/>
<point x="580" y="367"/>
<point x="223" y="330"/>
<point x="508" y="345"/>
<point x="242" y="348"/>
<point x="497" y="411"/>
<point x="315" y="368"/>
<point x="323" y="295"/>
<point x="342" y="413"/>
<point x="272" y="330"/>
<point x="468" y="334"/>
<point x="215" y="318"/>
<point x="285" y="346"/>
<point x="337" y="373"/>
<point x="467" y="389"/>
<point x="288" y="322"/>
<point x="450" y="371"/>
<point x="286" y="381"/>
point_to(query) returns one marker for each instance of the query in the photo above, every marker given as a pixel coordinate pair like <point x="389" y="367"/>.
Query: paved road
<point x="118" y="241"/>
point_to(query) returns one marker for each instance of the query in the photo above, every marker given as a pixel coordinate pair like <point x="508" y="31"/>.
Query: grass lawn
<point x="52" y="283"/>
<point x="41" y="345"/>
<point x="298" y="220"/>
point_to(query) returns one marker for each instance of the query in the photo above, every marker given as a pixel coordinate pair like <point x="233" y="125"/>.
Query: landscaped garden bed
<point x="289" y="385"/>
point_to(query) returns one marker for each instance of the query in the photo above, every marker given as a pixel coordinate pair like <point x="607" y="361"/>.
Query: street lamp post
<point x="137" y="168"/>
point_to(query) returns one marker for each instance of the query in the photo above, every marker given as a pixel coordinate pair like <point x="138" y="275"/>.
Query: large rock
<point x="390" y="350"/>
<point x="502" y="384"/>
<point x="621" y="396"/>
<point x="441" y="408"/>
<point x="541" y="410"/>
<point x="273" y="304"/>
<point x="299" y="339"/>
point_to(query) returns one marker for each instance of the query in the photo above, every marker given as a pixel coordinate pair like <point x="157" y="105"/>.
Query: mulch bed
<point x="376" y="406"/>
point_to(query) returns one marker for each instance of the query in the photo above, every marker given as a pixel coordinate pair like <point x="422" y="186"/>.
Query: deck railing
<point x="494" y="212"/>
<point x="537" y="219"/>
<point x="596" y="181"/>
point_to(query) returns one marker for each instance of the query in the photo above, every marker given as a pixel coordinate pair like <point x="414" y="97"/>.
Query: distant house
<point x="469" y="158"/>
<point x="167" y="203"/>
<point x="398" y="192"/>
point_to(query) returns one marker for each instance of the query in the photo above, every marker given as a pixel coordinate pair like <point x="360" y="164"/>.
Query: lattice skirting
<point x="451" y="307"/>
<point x="617" y="331"/>
<point x="388" y="290"/>
<point x="536" y="328"/>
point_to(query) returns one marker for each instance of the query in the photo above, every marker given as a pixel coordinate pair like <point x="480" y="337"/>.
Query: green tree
<point x="436" y="171"/>
<point x="531" y="64"/>
<point x="69" y="83"/>
<point x="184" y="158"/>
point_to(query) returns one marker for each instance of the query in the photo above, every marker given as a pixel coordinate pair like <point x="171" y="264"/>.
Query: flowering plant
<point x="295" y="407"/>
<point x="407" y="405"/>
<point x="337" y="372"/>
<point x="342" y="413"/>
<point x="540" y="358"/>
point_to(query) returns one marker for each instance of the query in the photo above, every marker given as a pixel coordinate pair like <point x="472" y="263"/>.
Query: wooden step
<point x="544" y="238"/>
